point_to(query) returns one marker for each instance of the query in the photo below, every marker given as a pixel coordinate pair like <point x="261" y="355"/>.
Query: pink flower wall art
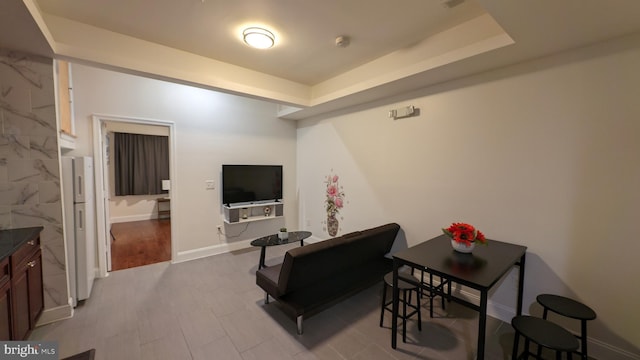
<point x="333" y="203"/>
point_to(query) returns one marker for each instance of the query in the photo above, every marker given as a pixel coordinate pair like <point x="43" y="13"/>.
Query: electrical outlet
<point x="210" y="184"/>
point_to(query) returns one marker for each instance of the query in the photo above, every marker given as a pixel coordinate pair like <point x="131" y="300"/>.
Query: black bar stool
<point x="544" y="333"/>
<point x="405" y="289"/>
<point x="432" y="287"/>
<point x="572" y="309"/>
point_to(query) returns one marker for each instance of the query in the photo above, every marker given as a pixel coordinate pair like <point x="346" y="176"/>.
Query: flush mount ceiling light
<point x="258" y="38"/>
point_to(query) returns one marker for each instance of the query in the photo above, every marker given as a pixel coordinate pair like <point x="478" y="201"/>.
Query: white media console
<point x="239" y="213"/>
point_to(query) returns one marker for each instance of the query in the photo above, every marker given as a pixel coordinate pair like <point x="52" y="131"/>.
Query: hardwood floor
<point x="140" y="243"/>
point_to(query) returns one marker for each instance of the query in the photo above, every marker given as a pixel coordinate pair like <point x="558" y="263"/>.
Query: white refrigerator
<point x="80" y="234"/>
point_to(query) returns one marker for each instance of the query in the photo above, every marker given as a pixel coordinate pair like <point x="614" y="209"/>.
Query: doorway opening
<point x="132" y="230"/>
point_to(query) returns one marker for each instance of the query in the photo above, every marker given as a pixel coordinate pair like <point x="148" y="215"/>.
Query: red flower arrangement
<point x="464" y="233"/>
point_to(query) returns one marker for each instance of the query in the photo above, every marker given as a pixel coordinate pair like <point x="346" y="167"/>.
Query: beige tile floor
<point x="212" y="309"/>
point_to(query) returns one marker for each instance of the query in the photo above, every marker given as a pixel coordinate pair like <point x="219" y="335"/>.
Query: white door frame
<point x="104" y="240"/>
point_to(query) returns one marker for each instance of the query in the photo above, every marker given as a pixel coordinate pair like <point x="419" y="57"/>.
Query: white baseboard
<point x="601" y="350"/>
<point x="597" y="349"/>
<point x="129" y="218"/>
<point x="224" y="248"/>
<point x="49" y="316"/>
<point x="313" y="239"/>
<point x="210" y="251"/>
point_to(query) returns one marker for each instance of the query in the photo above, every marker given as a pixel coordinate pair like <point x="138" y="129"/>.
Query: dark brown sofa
<point x="316" y="276"/>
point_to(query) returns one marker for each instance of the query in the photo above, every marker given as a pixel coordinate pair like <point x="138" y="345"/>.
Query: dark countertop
<point x="11" y="240"/>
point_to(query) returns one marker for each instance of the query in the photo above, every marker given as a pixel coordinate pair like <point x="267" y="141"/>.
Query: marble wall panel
<point x="14" y="147"/>
<point x="17" y="193"/>
<point x="38" y="215"/>
<point x="5" y="188"/>
<point x="43" y="147"/>
<point x="4" y="172"/>
<point x="30" y="190"/>
<point x="25" y="216"/>
<point x="29" y="124"/>
<point x="54" y="265"/>
<point x="43" y="89"/>
<point x="46" y="113"/>
<point x="21" y="170"/>
<point x="36" y="170"/>
<point x="51" y="234"/>
<point x="53" y="262"/>
<point x="49" y="170"/>
<point x="49" y="192"/>
<point x="55" y="290"/>
<point x="22" y="69"/>
<point x="53" y="259"/>
<point x="5" y="217"/>
<point x="14" y="96"/>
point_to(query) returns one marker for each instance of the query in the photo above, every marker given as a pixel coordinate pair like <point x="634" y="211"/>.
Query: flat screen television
<point x="251" y="183"/>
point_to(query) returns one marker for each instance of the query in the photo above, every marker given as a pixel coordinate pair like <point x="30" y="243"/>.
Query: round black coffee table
<point x="273" y="240"/>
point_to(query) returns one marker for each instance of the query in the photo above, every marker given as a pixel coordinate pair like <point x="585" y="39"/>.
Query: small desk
<point x="480" y="270"/>
<point x="164" y="213"/>
<point x="273" y="240"/>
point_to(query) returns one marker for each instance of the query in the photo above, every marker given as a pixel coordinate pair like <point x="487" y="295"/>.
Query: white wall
<point x="543" y="154"/>
<point x="211" y="129"/>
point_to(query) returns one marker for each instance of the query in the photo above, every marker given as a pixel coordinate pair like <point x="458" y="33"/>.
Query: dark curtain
<point x="141" y="163"/>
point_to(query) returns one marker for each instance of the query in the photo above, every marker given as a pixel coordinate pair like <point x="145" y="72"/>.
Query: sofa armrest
<point x="267" y="279"/>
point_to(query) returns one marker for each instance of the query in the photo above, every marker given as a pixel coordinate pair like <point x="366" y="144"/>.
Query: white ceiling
<point x="305" y="51"/>
<point x="395" y="46"/>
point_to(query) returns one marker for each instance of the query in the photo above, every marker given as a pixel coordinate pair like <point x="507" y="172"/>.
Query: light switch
<point x="210" y="184"/>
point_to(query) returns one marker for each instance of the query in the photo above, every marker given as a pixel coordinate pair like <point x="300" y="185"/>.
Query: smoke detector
<point x="343" y="41"/>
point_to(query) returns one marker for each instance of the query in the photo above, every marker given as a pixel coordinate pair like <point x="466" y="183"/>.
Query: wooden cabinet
<point x="36" y="291"/>
<point x="5" y="300"/>
<point x="20" y="302"/>
<point x="26" y="288"/>
<point x="21" y="291"/>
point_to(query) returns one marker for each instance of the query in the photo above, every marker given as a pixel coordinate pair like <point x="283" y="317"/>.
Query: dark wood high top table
<point x="480" y="270"/>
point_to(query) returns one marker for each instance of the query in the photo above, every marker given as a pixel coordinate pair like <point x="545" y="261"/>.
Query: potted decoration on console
<point x="464" y="237"/>
<point x="283" y="234"/>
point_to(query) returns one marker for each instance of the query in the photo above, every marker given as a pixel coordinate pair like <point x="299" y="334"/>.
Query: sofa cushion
<point x="311" y="264"/>
<point x="323" y="294"/>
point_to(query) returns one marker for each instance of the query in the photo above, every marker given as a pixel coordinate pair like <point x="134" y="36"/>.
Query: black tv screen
<point x="251" y="183"/>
